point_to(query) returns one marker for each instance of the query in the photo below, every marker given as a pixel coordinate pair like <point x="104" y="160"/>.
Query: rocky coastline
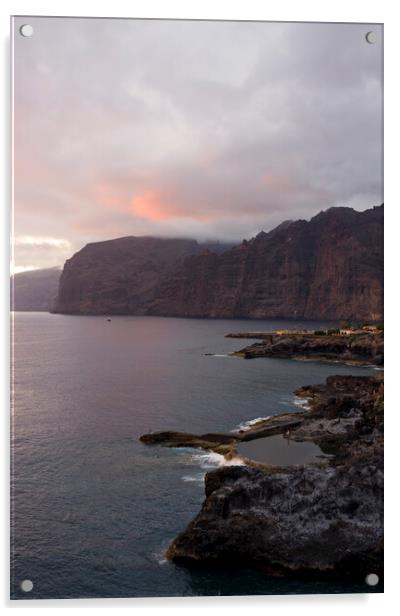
<point x="354" y="349"/>
<point x="318" y="518"/>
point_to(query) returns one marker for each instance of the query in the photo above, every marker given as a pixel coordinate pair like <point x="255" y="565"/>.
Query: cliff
<point x="121" y="276"/>
<point x="35" y="290"/>
<point x="328" y="268"/>
<point x="314" y="518"/>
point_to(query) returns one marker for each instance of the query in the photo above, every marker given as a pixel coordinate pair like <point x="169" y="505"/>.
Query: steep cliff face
<point x="119" y="276"/>
<point x="122" y="276"/>
<point x="348" y="270"/>
<point x="329" y="268"/>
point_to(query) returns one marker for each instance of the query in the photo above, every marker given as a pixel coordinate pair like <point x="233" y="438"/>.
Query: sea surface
<point x="93" y="509"/>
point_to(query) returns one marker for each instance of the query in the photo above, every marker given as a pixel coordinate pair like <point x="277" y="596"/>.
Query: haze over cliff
<point x="328" y="268"/>
<point x="35" y="290"/>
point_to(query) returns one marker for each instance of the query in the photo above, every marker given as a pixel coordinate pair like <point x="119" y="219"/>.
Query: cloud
<point x="151" y="205"/>
<point x="200" y="129"/>
<point x="52" y="242"/>
<point x="32" y="252"/>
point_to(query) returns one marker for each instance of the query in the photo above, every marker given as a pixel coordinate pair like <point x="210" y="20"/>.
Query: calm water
<point x="280" y="450"/>
<point x="93" y="508"/>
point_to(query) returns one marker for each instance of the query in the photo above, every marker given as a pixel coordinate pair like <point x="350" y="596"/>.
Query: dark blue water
<point x="92" y="508"/>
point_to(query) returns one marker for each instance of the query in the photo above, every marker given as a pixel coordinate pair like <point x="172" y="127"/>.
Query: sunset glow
<point x="150" y="206"/>
<point x="217" y="133"/>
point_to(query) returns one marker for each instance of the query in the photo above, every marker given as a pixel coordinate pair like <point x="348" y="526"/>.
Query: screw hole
<point x="370" y="37"/>
<point x="372" y="579"/>
<point x="26" y="30"/>
<point x="26" y="585"/>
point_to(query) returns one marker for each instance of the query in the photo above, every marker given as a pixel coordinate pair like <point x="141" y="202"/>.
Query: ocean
<point x="93" y="509"/>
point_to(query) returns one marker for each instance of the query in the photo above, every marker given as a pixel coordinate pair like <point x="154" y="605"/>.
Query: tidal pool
<point x="281" y="451"/>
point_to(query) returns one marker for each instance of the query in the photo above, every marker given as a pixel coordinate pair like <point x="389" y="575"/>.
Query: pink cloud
<point x="152" y="205"/>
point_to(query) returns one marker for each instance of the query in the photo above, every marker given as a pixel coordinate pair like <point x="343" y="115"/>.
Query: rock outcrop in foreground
<point x="328" y="268"/>
<point x="325" y="517"/>
<point x="225" y="444"/>
<point x="360" y="349"/>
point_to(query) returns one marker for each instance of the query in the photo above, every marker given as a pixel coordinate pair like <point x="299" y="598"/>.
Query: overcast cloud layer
<point x="188" y="129"/>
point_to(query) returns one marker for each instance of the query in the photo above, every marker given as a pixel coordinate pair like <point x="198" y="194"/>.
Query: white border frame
<point x="284" y="10"/>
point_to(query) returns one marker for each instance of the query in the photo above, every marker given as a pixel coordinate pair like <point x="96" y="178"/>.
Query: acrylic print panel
<point x="190" y="195"/>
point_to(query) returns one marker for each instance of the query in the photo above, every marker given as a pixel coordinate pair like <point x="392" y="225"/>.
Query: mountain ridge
<point x="330" y="267"/>
<point x="35" y="290"/>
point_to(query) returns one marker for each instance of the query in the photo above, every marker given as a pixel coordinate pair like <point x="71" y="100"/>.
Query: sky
<point x="208" y="130"/>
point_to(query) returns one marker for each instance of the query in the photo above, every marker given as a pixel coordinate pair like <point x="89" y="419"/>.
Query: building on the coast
<point x="298" y="332"/>
<point x="370" y="328"/>
<point x="346" y="332"/>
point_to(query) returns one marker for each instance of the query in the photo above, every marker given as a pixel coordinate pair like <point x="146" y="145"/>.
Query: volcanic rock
<point x="328" y="268"/>
<point x="314" y="518"/>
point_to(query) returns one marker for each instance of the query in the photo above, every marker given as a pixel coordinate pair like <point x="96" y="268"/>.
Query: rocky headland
<point x="357" y="348"/>
<point x="124" y="275"/>
<point x="330" y="267"/>
<point x="324" y="517"/>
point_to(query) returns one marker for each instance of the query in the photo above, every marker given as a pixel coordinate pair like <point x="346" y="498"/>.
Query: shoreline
<point x="317" y="518"/>
<point x="356" y="349"/>
<point x="301" y="425"/>
<point x="222" y="443"/>
<point x="344" y="418"/>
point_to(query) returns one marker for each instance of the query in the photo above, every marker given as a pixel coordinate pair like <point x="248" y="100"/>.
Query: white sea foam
<point x="207" y="460"/>
<point x="160" y="556"/>
<point x="161" y="559"/>
<point x="199" y="478"/>
<point x="246" y="425"/>
<point x="301" y="402"/>
<point x="233" y="462"/>
<point x="210" y="459"/>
